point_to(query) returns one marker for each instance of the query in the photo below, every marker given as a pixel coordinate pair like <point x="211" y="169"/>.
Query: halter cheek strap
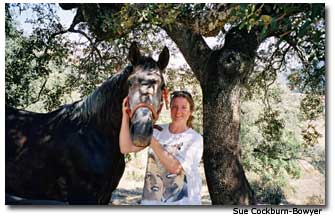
<point x="166" y="98"/>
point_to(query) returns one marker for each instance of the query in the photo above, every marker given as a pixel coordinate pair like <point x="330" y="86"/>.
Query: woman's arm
<point x="170" y="163"/>
<point x="126" y="145"/>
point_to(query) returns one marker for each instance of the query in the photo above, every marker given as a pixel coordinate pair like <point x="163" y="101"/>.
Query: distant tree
<point x="31" y="59"/>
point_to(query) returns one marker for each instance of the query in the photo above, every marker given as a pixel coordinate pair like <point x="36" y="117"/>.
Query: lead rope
<point x="166" y="101"/>
<point x="166" y="97"/>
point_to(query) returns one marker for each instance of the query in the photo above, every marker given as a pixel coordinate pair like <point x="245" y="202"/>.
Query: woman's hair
<point x="188" y="97"/>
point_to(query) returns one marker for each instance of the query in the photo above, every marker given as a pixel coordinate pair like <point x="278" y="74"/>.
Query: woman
<point x="176" y="150"/>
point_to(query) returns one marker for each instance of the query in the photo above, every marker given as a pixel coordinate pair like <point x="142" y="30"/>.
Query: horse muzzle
<point x="141" y="128"/>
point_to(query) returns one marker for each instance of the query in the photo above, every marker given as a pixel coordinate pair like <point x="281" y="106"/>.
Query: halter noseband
<point x="145" y="105"/>
<point x="155" y="114"/>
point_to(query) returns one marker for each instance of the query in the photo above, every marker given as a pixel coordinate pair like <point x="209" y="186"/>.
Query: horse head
<point x="146" y="91"/>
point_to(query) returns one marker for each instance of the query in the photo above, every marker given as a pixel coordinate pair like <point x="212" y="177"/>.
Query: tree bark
<point x="226" y="72"/>
<point x="192" y="46"/>
<point x="226" y="180"/>
<point x="221" y="74"/>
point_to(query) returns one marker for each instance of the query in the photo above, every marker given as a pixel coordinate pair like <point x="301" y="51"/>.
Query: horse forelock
<point x="147" y="63"/>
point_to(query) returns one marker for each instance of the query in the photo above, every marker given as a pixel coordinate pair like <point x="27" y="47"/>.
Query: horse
<point x="71" y="155"/>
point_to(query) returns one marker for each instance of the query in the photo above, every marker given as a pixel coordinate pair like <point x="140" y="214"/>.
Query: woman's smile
<point x="180" y="109"/>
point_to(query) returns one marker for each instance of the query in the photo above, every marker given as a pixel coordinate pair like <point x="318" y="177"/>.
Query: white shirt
<point x="163" y="188"/>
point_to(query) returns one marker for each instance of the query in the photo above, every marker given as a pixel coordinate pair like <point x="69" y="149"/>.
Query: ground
<point x="309" y="189"/>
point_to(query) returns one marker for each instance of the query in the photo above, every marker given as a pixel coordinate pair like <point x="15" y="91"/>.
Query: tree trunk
<point x="225" y="74"/>
<point x="221" y="74"/>
<point x="225" y="176"/>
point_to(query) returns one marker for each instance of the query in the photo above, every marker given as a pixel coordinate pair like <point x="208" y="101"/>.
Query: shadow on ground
<point x="123" y="196"/>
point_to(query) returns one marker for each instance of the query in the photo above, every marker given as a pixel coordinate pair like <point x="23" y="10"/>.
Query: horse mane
<point x="99" y="106"/>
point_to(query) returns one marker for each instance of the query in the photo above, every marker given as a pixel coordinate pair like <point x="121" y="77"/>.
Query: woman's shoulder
<point x="195" y="134"/>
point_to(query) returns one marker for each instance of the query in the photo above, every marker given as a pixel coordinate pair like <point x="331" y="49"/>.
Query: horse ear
<point x="163" y="59"/>
<point x="134" y="54"/>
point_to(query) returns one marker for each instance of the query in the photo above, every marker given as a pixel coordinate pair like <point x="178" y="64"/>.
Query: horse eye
<point x="148" y="82"/>
<point x="140" y="81"/>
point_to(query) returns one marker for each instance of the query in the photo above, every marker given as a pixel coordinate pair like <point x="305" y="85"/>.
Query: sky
<point x="66" y="17"/>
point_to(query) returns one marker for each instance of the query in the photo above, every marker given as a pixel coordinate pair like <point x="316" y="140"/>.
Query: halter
<point x="155" y="114"/>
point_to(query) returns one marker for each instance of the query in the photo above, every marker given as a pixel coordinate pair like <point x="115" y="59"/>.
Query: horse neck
<point x="103" y="107"/>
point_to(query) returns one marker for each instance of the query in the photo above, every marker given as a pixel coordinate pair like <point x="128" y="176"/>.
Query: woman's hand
<point x="154" y="141"/>
<point x="125" y="143"/>
<point x="125" y="107"/>
<point x="170" y="163"/>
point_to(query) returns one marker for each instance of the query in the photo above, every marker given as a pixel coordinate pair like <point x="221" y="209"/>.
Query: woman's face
<point x="180" y="110"/>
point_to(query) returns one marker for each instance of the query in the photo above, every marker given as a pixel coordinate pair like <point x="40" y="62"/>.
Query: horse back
<point x="52" y="157"/>
<point x="30" y="155"/>
<point x="25" y="129"/>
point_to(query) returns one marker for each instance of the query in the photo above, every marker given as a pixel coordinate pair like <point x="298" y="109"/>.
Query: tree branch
<point x="39" y="93"/>
<point x="76" y="20"/>
<point x="192" y="46"/>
